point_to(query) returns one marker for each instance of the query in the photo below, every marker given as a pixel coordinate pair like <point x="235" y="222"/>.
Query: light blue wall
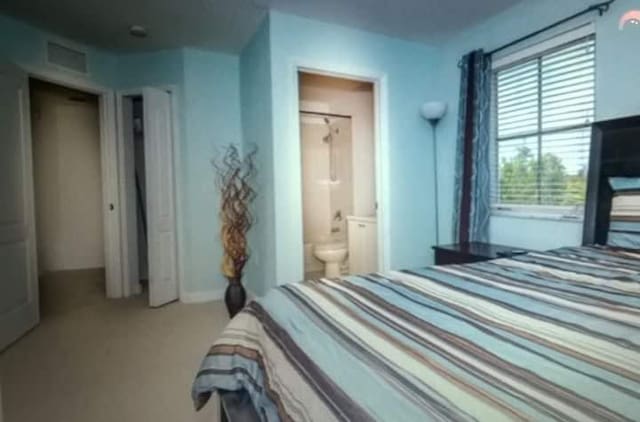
<point x="255" y="77"/>
<point x="208" y="89"/>
<point x="535" y="234"/>
<point x="209" y="101"/>
<point x="618" y="65"/>
<point x="251" y="99"/>
<point x="26" y="45"/>
<point x="211" y="109"/>
<point x="618" y="79"/>
<point x="156" y="68"/>
<point x="408" y="69"/>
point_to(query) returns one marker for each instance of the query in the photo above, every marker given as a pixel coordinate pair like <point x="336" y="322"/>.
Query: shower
<point x="327" y="188"/>
<point x="329" y="139"/>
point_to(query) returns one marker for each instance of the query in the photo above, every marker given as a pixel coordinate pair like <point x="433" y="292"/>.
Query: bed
<point x="544" y="336"/>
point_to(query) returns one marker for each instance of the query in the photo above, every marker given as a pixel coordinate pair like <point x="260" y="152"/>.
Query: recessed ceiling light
<point x="138" y="31"/>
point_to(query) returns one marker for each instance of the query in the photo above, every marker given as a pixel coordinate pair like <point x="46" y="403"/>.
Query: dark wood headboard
<point x="615" y="152"/>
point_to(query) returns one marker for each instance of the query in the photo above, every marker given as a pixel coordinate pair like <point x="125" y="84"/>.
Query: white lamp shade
<point x="433" y="110"/>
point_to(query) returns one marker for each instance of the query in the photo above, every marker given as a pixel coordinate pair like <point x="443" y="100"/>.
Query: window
<point x="543" y="110"/>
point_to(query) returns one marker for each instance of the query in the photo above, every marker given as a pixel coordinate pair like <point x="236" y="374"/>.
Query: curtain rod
<point x="317" y="113"/>
<point x="601" y="8"/>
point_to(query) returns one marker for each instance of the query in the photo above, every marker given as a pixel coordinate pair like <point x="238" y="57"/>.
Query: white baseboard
<point x="211" y="295"/>
<point x="202" y="297"/>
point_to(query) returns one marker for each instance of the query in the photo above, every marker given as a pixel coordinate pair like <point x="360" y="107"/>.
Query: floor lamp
<point x="433" y="112"/>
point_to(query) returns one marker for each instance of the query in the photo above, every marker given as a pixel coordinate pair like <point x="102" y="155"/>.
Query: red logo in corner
<point x="631" y="18"/>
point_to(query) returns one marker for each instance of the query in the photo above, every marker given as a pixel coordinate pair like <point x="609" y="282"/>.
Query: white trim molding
<point x="212" y="295"/>
<point x="554" y="41"/>
<point x="109" y="166"/>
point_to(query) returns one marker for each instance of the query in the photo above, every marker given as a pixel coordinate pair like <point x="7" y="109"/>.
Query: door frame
<point x="126" y="220"/>
<point x="381" y="140"/>
<point x="109" y="170"/>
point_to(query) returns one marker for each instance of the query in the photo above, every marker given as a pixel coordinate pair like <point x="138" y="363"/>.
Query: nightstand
<point x="465" y="253"/>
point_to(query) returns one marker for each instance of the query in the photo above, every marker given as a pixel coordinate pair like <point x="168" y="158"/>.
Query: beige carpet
<point x="94" y="360"/>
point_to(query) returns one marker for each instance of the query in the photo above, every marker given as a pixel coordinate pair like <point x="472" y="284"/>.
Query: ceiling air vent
<point x="68" y="58"/>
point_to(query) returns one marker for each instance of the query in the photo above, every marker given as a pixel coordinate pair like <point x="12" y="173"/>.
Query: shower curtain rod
<point x="317" y="113"/>
<point x="601" y="8"/>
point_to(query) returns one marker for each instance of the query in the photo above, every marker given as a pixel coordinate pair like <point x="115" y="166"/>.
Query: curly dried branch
<point x="234" y="175"/>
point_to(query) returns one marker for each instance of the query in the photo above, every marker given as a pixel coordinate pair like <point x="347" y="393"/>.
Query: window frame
<point x="528" y="53"/>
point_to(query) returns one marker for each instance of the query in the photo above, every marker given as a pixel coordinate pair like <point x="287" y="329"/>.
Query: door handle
<point x="111" y="207"/>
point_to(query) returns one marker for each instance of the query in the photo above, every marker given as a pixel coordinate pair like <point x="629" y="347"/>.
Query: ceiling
<point x="224" y="25"/>
<point x="419" y="20"/>
<point x="227" y="25"/>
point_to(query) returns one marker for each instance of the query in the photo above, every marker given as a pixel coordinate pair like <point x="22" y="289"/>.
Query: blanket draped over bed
<point x="543" y="336"/>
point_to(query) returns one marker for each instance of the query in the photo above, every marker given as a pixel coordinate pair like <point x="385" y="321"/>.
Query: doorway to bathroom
<point x="338" y="161"/>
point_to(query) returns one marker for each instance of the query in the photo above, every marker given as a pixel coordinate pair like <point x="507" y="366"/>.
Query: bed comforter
<point x="543" y="336"/>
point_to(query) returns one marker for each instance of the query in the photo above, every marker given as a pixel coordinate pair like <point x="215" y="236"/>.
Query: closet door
<point x="18" y="267"/>
<point x="161" y="222"/>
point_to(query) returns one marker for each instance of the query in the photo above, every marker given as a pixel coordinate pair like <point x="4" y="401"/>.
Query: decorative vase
<point x="235" y="297"/>
<point x="234" y="173"/>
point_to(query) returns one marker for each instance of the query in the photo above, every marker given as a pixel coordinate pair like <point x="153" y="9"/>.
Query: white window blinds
<point x="544" y="107"/>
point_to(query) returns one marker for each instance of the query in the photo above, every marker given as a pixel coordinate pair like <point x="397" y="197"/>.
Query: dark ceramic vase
<point x="235" y="297"/>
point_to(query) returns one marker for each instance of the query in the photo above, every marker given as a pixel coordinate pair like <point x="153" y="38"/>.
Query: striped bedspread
<point x="543" y="336"/>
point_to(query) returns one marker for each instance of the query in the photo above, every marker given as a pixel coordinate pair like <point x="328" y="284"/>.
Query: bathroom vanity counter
<point x="363" y="244"/>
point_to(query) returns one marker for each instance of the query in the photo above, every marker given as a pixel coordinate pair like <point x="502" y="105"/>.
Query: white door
<point x="130" y="258"/>
<point x="18" y="268"/>
<point x="161" y="226"/>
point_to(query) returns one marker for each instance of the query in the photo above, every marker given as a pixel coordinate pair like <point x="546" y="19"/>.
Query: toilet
<point x="332" y="255"/>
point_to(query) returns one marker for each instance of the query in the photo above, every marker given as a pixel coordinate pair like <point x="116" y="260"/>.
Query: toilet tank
<point x="362" y="236"/>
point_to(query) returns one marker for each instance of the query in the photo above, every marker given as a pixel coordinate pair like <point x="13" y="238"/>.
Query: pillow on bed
<point x="624" y="221"/>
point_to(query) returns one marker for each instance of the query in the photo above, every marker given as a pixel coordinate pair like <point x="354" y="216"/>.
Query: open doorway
<point x="65" y="111"/>
<point x="338" y="153"/>
<point x="65" y="128"/>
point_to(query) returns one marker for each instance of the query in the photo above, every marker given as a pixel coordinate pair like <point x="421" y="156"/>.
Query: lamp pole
<point x="433" y="112"/>
<point x="434" y="124"/>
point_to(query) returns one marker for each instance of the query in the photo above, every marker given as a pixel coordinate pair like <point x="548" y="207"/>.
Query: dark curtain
<point x="473" y="176"/>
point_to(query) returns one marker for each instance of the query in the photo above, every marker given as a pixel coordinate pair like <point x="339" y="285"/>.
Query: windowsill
<point x="531" y="215"/>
